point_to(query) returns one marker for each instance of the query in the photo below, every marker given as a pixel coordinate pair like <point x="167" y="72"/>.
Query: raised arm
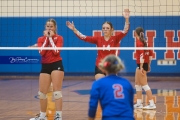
<point x="126" y="15"/>
<point x="122" y="34"/>
<point x="80" y="35"/>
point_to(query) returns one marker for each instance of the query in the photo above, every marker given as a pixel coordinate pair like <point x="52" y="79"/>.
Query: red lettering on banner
<point x="150" y="34"/>
<point x="97" y="33"/>
<point x="169" y="35"/>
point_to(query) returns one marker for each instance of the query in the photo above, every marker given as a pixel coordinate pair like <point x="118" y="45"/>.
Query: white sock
<point x="151" y="102"/>
<point x="139" y="101"/>
<point x="42" y="114"/>
<point x="59" y="113"/>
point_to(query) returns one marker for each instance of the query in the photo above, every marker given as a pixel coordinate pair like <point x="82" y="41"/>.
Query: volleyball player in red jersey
<point x="143" y="60"/>
<point x="52" y="70"/>
<point x="106" y="41"/>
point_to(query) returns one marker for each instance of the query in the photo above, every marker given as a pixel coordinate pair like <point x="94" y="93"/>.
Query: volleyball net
<point x="23" y="21"/>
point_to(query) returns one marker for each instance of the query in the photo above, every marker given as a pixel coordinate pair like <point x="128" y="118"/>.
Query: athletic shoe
<point x="38" y="118"/>
<point x="149" y="107"/>
<point x="58" y="117"/>
<point x="138" y="106"/>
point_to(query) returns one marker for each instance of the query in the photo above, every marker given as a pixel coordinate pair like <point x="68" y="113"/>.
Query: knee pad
<point x="138" y="87"/>
<point x="57" y="95"/>
<point x="42" y="95"/>
<point x="146" y="87"/>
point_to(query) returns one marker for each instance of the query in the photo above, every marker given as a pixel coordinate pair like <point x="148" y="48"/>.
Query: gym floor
<point x="19" y="100"/>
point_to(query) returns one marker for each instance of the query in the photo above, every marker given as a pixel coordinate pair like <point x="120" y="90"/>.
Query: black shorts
<point x="145" y="66"/>
<point x="49" y="67"/>
<point x="98" y="71"/>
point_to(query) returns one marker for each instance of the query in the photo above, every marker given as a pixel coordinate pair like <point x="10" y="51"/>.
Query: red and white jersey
<point x="142" y="56"/>
<point x="114" y="41"/>
<point x="50" y="56"/>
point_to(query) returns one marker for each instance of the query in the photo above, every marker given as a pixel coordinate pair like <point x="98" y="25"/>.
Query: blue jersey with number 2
<point x="115" y="95"/>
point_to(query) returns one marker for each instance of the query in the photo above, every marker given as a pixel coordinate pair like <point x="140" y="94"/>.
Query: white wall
<point x="88" y="7"/>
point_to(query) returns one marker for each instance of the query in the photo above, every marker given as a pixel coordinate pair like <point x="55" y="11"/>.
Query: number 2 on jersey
<point x="118" y="91"/>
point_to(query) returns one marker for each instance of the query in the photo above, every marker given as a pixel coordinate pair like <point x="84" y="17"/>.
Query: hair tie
<point x="106" y="64"/>
<point x="115" y="62"/>
<point x="141" y="34"/>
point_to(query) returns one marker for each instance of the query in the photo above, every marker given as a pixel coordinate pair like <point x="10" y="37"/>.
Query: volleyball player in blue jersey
<point x="114" y="93"/>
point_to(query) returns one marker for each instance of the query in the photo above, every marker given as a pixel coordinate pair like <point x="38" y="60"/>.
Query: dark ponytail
<point x="140" y="33"/>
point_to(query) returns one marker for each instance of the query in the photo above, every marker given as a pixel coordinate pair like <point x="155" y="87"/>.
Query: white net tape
<point x="90" y="48"/>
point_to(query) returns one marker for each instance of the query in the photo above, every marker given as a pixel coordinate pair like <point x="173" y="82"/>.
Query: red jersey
<point x="142" y="56"/>
<point x="50" y="56"/>
<point x="114" y="41"/>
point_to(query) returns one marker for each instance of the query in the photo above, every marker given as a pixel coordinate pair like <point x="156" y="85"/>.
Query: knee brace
<point x="138" y="87"/>
<point x="42" y="95"/>
<point x="146" y="87"/>
<point x="57" y="95"/>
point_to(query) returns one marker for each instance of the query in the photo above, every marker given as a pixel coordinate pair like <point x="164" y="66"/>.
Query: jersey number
<point x="106" y="48"/>
<point x="118" y="91"/>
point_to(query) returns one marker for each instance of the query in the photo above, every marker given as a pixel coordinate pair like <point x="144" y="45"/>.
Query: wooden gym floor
<point x="19" y="100"/>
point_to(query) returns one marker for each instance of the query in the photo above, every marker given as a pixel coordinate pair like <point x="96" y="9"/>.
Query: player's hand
<point x="51" y="33"/>
<point x="126" y="13"/>
<point x="142" y="71"/>
<point x="46" y="33"/>
<point x="70" y="25"/>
